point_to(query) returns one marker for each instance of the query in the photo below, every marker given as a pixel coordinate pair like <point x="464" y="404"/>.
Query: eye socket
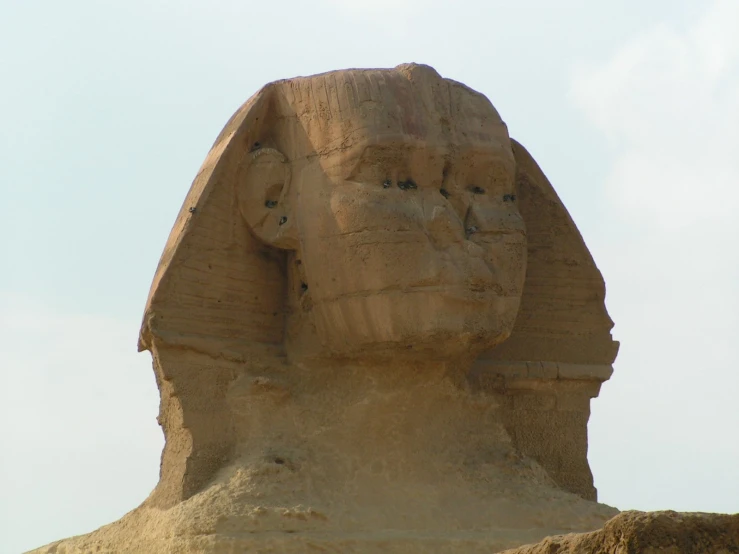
<point x="408" y="184"/>
<point x="270" y="203"/>
<point x="387" y="183"/>
<point x="477" y="190"/>
<point x="444" y="193"/>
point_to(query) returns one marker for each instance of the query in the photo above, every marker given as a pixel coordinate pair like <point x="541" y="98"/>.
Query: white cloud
<point x="669" y="101"/>
<point x="78" y="407"/>
<point x="664" y="431"/>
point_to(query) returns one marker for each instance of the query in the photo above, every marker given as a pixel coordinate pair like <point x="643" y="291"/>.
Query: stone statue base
<point x="388" y="542"/>
<point x="211" y="523"/>
<point x="632" y="532"/>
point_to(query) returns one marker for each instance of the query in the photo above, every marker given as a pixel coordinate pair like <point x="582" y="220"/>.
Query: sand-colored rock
<point x="375" y="328"/>
<point x="649" y="533"/>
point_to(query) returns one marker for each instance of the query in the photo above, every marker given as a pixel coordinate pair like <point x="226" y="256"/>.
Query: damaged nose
<point x="443" y="225"/>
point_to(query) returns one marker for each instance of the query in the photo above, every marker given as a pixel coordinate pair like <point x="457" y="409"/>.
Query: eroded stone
<point x="342" y="362"/>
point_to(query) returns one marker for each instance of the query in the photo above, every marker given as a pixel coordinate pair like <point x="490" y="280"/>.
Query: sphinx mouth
<point x="476" y="287"/>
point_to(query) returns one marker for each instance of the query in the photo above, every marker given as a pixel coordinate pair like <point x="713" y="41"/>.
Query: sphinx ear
<point x="264" y="201"/>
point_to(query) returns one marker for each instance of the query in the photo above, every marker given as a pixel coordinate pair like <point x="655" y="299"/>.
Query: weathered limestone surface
<point x="649" y="533"/>
<point x="375" y="328"/>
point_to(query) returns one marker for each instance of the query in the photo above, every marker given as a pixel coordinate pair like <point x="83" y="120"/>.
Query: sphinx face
<point x="412" y="243"/>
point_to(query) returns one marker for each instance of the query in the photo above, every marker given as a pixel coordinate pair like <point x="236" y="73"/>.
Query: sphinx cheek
<point x="357" y="208"/>
<point x="505" y="253"/>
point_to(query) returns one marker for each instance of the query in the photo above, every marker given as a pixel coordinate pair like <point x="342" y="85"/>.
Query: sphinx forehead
<point x="344" y="111"/>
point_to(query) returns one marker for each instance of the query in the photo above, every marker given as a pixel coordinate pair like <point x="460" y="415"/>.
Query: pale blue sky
<point x="107" y="109"/>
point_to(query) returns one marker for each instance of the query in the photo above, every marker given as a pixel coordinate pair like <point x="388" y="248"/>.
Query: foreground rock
<point x="649" y="533"/>
<point x="374" y="327"/>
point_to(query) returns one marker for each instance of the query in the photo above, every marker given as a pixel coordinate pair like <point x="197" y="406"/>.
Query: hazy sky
<point x="107" y="109"/>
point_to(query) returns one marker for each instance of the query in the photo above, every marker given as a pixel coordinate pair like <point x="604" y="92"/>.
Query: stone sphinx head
<point x="392" y="195"/>
<point x="374" y="327"/>
<point x="361" y="218"/>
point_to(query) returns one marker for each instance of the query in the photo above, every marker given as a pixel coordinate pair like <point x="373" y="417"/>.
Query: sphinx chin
<point x="447" y="322"/>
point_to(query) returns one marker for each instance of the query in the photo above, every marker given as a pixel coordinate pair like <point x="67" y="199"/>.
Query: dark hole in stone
<point x="444" y="193"/>
<point x="303" y="287"/>
<point x="283" y="220"/>
<point x="387" y="183"/>
<point x="478" y="190"/>
<point x="408" y="184"/>
<point x="256" y="146"/>
<point x="193" y="210"/>
<point x="279" y="461"/>
<point x="509" y="197"/>
<point x="270" y="203"/>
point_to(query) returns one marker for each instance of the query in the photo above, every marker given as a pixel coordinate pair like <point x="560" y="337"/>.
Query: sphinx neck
<point x="403" y="420"/>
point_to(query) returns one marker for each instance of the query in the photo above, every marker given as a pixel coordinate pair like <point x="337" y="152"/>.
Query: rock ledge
<point x="635" y="532"/>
